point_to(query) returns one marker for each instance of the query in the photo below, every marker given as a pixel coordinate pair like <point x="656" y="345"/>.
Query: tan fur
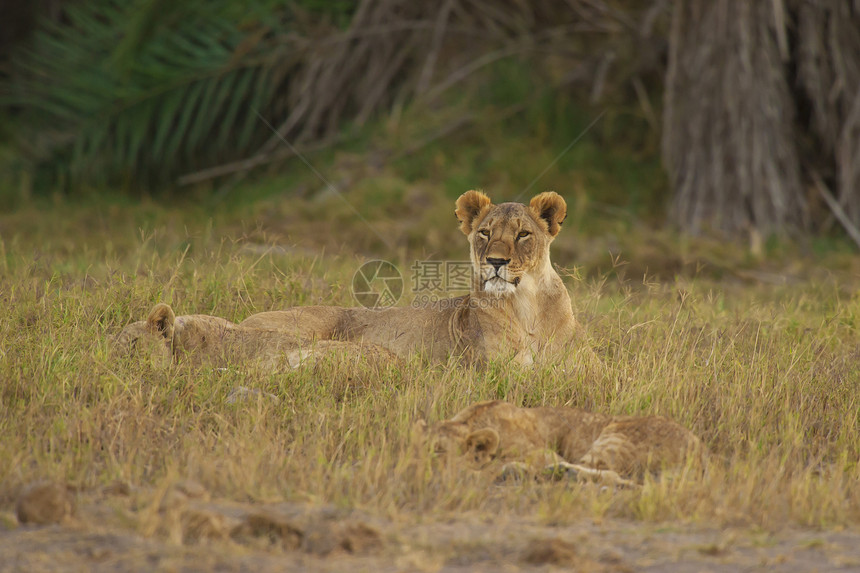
<point x="595" y="445"/>
<point x="163" y="337"/>
<point x="520" y="310"/>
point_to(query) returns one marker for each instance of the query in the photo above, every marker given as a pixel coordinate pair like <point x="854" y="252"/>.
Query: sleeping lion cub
<point x="611" y="449"/>
<point x="164" y="337"/>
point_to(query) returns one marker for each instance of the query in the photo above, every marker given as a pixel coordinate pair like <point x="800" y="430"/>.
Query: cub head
<point x="478" y="447"/>
<point x="148" y="339"/>
<point x="509" y="241"/>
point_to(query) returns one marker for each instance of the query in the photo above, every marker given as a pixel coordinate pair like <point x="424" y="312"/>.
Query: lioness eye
<point x="523" y="234"/>
<point x="484" y="233"/>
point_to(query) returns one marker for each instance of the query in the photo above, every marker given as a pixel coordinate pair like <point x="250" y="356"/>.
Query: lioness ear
<point x="483" y="442"/>
<point x="550" y="207"/>
<point x="469" y="205"/>
<point x="161" y="319"/>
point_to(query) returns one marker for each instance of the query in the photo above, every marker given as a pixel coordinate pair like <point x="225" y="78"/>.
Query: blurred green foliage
<point x="135" y="93"/>
<point x="128" y="96"/>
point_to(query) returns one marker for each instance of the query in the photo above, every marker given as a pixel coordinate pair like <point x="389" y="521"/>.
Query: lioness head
<point x="509" y="241"/>
<point x="150" y="339"/>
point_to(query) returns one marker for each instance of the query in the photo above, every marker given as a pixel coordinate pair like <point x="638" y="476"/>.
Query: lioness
<point x="164" y="337"/>
<point x="518" y="306"/>
<point x="608" y="448"/>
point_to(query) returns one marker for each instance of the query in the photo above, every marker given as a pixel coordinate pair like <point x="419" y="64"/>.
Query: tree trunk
<point x="728" y="134"/>
<point x="828" y="69"/>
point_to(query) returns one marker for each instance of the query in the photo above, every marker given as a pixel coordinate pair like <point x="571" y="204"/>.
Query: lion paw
<point x="513" y="472"/>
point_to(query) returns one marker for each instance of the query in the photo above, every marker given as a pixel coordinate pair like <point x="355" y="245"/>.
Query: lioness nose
<point x="497" y="263"/>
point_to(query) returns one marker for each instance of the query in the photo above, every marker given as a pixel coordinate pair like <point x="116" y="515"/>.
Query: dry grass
<point x="767" y="376"/>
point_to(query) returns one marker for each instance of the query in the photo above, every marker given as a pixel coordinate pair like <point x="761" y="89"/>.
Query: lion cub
<point x="611" y="449"/>
<point x="164" y="337"/>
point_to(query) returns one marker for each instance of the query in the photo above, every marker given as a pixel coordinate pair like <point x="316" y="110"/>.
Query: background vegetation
<point x="758" y="123"/>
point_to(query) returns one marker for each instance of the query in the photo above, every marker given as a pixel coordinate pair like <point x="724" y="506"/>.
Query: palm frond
<point x="147" y="89"/>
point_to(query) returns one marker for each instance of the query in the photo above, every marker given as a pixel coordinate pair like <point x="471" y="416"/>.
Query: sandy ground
<point x="109" y="533"/>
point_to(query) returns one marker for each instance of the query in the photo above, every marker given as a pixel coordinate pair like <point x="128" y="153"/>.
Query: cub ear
<point x="551" y="208"/>
<point x="418" y="433"/>
<point x="482" y="443"/>
<point x="469" y="206"/>
<point x="419" y="428"/>
<point x="161" y="320"/>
